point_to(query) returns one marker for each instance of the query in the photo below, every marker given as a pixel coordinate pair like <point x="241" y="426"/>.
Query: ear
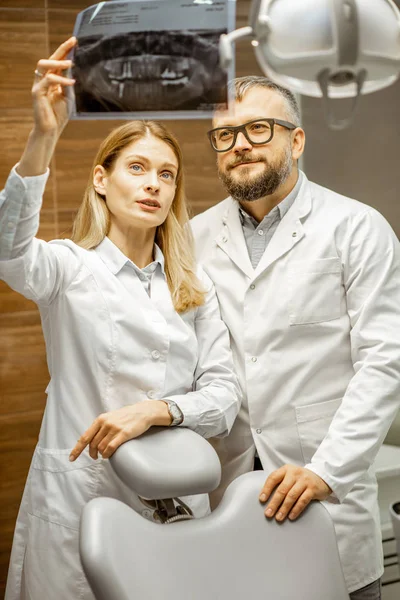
<point x="100" y="180"/>
<point x="298" y="143"/>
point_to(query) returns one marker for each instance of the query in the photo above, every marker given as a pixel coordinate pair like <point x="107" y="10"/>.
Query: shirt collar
<point x="115" y="260"/>
<point x="281" y="209"/>
<point x="159" y="257"/>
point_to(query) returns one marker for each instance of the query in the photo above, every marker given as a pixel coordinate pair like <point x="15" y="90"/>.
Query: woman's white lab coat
<point x="108" y="345"/>
<point x="315" y="333"/>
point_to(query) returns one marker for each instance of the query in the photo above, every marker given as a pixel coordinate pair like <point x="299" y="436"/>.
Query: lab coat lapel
<point x="289" y="232"/>
<point x="231" y="239"/>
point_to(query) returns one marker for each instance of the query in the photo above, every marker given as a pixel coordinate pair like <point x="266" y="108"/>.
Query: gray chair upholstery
<point x="233" y="553"/>
<point x="166" y="463"/>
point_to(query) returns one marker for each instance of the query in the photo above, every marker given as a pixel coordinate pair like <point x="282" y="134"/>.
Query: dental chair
<point x="233" y="553"/>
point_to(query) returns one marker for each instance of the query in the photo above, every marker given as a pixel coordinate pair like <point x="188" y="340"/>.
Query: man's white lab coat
<point x="315" y="331"/>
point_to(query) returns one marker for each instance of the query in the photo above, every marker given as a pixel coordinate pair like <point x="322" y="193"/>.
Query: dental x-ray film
<point x="152" y="59"/>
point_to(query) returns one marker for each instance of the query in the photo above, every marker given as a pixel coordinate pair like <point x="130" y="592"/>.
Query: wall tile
<point x="10" y="301"/>
<point x="60" y="24"/>
<point x="47" y="229"/>
<point x="14" y="131"/>
<point x="73" y="5"/>
<point x="18" y="437"/>
<point x="65" y="219"/>
<point x="24" y="4"/>
<point x="23" y="367"/>
<point x="22" y="43"/>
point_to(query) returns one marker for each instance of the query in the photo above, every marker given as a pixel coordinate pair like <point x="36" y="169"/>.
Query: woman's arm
<point x="212" y="407"/>
<point x="51" y="107"/>
<point x="20" y="201"/>
<point x="31" y="266"/>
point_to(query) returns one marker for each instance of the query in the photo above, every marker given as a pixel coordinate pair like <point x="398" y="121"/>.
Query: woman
<point x="134" y="338"/>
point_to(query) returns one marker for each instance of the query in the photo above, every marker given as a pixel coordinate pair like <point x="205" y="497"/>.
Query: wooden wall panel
<point x="18" y="435"/>
<point x="23" y="370"/>
<point x="23" y="367"/>
<point x="18" y="4"/>
<point x="14" y="129"/>
<point x="29" y="30"/>
<point x="23" y="40"/>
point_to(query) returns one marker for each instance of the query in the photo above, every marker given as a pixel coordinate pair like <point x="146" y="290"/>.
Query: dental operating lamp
<point x="329" y="49"/>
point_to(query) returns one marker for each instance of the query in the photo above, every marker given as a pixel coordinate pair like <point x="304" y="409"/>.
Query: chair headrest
<point x="167" y="463"/>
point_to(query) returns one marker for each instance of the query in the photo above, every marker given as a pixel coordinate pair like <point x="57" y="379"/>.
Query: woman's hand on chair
<point x="112" y="429"/>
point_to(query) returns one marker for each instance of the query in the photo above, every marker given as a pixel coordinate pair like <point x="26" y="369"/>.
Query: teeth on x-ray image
<point x="152" y="71"/>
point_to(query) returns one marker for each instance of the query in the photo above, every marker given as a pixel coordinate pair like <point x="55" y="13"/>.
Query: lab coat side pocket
<point x="313" y="421"/>
<point x="59" y="489"/>
<point x="314" y="288"/>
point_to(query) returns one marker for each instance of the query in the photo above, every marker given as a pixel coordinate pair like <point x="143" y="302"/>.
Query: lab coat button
<point x="259" y="430"/>
<point x="155" y="354"/>
<point x="294" y="234"/>
<point x="252" y="287"/>
<point x="147" y="514"/>
<point x="254" y="358"/>
<point x="151" y="394"/>
<point x="224" y="239"/>
<point x="260" y="232"/>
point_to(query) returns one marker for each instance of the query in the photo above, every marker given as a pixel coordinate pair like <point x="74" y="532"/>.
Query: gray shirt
<point x="258" y="235"/>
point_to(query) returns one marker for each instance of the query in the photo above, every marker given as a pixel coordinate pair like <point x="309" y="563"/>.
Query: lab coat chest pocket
<point x="313" y="422"/>
<point x="314" y="288"/>
<point x="59" y="488"/>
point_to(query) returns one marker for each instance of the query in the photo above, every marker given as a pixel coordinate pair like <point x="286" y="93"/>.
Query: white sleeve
<point x="30" y="266"/>
<point x="212" y="407"/>
<point x="371" y="267"/>
<point x="20" y="204"/>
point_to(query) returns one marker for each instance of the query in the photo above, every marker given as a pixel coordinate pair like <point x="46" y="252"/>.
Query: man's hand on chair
<point x="295" y="488"/>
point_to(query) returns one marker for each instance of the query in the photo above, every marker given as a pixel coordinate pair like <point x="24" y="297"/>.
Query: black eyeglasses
<point x="259" y="131"/>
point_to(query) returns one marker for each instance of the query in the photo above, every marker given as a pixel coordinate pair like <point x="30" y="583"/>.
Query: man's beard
<point x="252" y="188"/>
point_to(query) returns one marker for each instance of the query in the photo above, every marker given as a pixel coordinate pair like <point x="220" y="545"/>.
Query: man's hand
<point x="297" y="486"/>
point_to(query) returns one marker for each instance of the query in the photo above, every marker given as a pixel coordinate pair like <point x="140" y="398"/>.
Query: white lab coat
<point x="315" y="332"/>
<point x="108" y="345"/>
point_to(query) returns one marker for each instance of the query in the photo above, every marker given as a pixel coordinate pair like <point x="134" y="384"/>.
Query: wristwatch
<point x="175" y="413"/>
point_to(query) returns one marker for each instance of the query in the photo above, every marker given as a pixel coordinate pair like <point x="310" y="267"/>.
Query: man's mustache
<point x="243" y="160"/>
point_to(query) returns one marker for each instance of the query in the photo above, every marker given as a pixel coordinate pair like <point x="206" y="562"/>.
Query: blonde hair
<point x="173" y="236"/>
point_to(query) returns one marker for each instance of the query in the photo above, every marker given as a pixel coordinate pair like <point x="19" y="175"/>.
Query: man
<point x="309" y="286"/>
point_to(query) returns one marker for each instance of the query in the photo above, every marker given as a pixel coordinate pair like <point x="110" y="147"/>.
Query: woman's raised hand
<point x="51" y="103"/>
